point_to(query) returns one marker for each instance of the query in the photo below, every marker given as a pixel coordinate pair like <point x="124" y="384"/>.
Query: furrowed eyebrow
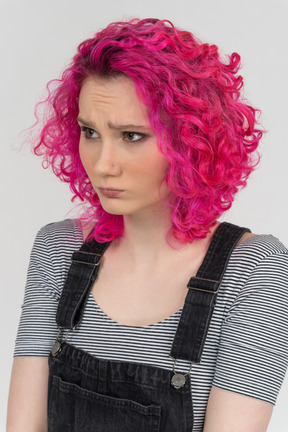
<point x="128" y="126"/>
<point x="111" y="125"/>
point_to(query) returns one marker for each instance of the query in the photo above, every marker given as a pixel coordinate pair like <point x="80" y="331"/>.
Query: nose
<point x="107" y="160"/>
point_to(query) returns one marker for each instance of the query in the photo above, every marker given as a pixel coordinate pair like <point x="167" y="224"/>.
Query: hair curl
<point x="204" y="128"/>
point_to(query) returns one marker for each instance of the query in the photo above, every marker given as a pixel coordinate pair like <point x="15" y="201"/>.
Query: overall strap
<point x="82" y="273"/>
<point x="202" y="293"/>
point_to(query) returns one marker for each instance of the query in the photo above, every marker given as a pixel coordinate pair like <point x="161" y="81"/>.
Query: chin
<point x="115" y="209"/>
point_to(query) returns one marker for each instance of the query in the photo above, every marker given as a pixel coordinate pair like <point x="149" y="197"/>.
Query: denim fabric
<point x="91" y="394"/>
<point x="88" y="394"/>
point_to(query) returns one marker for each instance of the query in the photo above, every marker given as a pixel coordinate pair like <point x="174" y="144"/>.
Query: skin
<point x="138" y="169"/>
<point x="113" y="158"/>
<point x="124" y="158"/>
<point x="129" y="162"/>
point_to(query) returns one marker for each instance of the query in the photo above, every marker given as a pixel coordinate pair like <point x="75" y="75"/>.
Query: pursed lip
<point x="111" y="189"/>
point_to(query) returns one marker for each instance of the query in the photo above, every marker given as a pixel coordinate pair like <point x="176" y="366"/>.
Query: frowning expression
<point x="118" y="147"/>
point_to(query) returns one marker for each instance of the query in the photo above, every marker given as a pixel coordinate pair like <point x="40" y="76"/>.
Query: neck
<point x="144" y="240"/>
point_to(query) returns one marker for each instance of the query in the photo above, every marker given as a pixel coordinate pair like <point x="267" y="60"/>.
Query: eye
<point x="131" y="135"/>
<point x="88" y="132"/>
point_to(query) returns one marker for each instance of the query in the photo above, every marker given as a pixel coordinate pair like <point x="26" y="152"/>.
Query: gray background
<point x="37" y="40"/>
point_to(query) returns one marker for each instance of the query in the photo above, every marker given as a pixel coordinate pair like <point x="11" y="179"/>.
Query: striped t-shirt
<point x="246" y="349"/>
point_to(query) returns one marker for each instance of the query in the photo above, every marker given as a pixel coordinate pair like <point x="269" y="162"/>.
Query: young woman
<point x="166" y="319"/>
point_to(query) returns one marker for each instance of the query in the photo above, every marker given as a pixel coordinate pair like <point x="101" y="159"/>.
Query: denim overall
<point x="87" y="393"/>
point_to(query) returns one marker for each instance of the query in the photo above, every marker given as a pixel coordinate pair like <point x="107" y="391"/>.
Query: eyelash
<point x="84" y="129"/>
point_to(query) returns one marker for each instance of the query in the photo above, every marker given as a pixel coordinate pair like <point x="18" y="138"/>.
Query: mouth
<point x="109" y="192"/>
<point x="110" y="189"/>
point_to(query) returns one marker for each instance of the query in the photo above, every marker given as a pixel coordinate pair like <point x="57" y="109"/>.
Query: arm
<point x="253" y="351"/>
<point x="228" y="411"/>
<point x="27" y="403"/>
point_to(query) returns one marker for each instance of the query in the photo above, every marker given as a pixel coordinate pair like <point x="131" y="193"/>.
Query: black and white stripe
<point x="246" y="350"/>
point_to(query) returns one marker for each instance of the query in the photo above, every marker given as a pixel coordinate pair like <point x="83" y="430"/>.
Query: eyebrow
<point x="111" y="125"/>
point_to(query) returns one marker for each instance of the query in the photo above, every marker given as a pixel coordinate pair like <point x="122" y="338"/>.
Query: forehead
<point x="115" y="95"/>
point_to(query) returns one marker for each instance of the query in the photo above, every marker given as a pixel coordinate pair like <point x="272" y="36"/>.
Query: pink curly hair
<point x="204" y="128"/>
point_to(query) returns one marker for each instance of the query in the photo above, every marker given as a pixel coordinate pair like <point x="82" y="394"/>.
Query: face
<point x="118" y="148"/>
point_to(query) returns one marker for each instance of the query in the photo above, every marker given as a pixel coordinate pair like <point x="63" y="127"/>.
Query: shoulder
<point x="245" y="236"/>
<point x="66" y="227"/>
<point x="259" y="258"/>
<point x="59" y="237"/>
<point x="260" y="245"/>
<point x="258" y="268"/>
<point x="254" y="247"/>
<point x="50" y="257"/>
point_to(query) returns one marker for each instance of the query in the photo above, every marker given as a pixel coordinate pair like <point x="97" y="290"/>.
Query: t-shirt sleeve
<point x="37" y="328"/>
<point x="253" y="352"/>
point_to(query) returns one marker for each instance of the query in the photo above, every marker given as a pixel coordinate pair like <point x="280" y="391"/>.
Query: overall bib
<point x="86" y="393"/>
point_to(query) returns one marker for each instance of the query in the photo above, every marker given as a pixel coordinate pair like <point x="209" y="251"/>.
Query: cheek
<point x="85" y="157"/>
<point x="158" y="166"/>
<point x="153" y="169"/>
<point x="81" y="152"/>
